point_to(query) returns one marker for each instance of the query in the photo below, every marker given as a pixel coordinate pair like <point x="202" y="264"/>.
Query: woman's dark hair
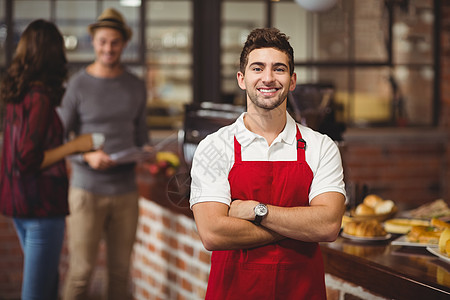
<point x="39" y="59"/>
<point x="267" y="38"/>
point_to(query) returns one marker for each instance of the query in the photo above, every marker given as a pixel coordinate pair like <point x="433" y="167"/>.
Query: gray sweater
<point x="115" y="107"/>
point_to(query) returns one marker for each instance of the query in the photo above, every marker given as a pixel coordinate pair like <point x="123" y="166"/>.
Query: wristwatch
<point x="260" y="212"/>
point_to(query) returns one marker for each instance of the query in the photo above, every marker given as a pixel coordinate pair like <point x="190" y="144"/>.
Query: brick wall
<point x="170" y="261"/>
<point x="405" y="166"/>
<point x="10" y="261"/>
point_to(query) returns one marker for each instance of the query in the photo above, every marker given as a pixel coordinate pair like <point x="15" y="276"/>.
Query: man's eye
<point x="257" y="69"/>
<point x="280" y="70"/>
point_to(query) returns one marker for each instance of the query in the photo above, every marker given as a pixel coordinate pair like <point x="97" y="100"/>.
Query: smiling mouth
<point x="267" y="90"/>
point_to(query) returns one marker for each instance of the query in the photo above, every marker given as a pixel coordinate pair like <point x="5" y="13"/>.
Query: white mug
<point x="98" y="139"/>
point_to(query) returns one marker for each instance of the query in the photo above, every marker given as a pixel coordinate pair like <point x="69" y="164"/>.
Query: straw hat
<point x="113" y="19"/>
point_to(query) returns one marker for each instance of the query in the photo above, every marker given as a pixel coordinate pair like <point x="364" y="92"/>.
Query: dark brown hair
<point x="267" y="38"/>
<point x="39" y="59"/>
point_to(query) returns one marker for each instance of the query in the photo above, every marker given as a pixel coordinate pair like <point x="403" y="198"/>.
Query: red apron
<point x="288" y="269"/>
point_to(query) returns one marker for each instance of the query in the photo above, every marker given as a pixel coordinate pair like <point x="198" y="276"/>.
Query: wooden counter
<point x="394" y="272"/>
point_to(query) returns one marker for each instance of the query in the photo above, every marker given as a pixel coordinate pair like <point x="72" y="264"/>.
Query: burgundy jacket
<point x="30" y="128"/>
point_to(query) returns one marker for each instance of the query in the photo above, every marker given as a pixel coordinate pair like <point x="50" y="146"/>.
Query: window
<point x="160" y="50"/>
<point x="378" y="54"/>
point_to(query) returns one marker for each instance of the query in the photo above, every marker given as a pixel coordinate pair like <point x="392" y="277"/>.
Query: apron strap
<point x="237" y="151"/>
<point x="301" y="146"/>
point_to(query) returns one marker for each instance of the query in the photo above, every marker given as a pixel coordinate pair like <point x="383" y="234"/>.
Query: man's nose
<point x="268" y="75"/>
<point x="108" y="47"/>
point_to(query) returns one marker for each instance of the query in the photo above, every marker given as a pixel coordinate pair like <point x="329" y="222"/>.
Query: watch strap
<point x="258" y="220"/>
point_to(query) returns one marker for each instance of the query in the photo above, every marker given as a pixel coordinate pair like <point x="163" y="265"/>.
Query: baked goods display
<point x="369" y="228"/>
<point x="374" y="207"/>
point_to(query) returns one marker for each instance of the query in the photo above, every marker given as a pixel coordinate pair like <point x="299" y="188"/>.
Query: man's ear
<point x="293" y="83"/>
<point x="240" y="80"/>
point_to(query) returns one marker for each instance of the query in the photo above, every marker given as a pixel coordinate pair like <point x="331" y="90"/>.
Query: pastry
<point x="424" y="234"/>
<point x="444" y="241"/>
<point x="439" y="223"/>
<point x="403" y="226"/>
<point x="371" y="228"/>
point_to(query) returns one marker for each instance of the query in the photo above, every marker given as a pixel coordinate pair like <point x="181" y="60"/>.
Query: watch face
<point x="261" y="210"/>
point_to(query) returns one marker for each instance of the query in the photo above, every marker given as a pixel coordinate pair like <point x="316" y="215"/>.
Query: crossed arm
<point x="227" y="228"/>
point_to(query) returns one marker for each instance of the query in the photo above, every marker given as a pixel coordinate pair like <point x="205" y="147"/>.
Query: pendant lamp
<point x="316" y="5"/>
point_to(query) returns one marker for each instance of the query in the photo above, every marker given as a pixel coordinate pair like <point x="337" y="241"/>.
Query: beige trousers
<point x="93" y="217"/>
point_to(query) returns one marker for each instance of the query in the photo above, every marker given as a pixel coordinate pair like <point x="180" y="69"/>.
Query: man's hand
<point x="243" y="209"/>
<point x="98" y="160"/>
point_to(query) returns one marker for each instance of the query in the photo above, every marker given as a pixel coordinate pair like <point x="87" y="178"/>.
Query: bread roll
<point x="364" y="210"/>
<point x="372" y="200"/>
<point x="384" y="207"/>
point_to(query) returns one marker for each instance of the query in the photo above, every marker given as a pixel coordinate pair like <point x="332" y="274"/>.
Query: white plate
<point x="435" y="251"/>
<point x="366" y="238"/>
<point x="403" y="241"/>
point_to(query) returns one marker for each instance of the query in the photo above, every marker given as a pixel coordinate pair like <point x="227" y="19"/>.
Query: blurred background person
<point x="33" y="178"/>
<point x="103" y="198"/>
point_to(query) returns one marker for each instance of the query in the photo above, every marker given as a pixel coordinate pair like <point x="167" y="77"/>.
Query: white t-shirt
<point x="214" y="158"/>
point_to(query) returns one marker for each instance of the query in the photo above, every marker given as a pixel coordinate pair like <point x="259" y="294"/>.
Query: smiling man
<point x="103" y="199"/>
<point x="266" y="190"/>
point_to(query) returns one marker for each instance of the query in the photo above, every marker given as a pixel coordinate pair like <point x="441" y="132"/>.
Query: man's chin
<point x="110" y="64"/>
<point x="268" y="105"/>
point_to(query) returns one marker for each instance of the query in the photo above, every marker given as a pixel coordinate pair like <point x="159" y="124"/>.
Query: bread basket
<point x="379" y="217"/>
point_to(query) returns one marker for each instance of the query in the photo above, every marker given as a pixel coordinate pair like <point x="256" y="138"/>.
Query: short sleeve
<point x="210" y="168"/>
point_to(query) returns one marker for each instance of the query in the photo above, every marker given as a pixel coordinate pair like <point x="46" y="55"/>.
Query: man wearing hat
<point x="103" y="199"/>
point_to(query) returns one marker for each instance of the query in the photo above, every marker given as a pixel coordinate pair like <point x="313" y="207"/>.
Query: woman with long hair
<point x="33" y="178"/>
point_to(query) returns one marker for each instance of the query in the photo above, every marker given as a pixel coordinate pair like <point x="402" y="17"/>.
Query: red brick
<point x="333" y="294"/>
<point x="181" y="264"/>
<point x="188" y="250"/>
<point x="186" y="285"/>
<point x="146" y="229"/>
<point x="204" y="257"/>
<point x="180" y="229"/>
